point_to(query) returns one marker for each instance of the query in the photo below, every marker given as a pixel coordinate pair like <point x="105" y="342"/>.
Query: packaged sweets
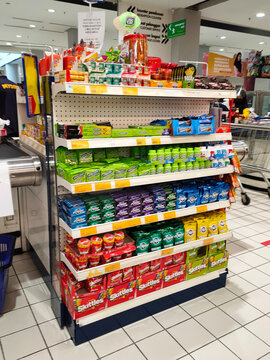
<point x="114" y="278"/>
<point x="190" y="230"/>
<point x="94" y="284"/>
<point x="213" y="225"/>
<point x="155" y="265"/>
<point x="128" y="274"/>
<point x="155" y="240"/>
<point x="179" y="234"/>
<point x="202" y="228"/>
<point x="81" y="262"/>
<point x="94" y="259"/>
<point x="108" y="240"/>
<point x="222" y="224"/>
<point x="143" y="268"/>
<point x="119" y="237"/>
<point x="96" y="244"/>
<point x="167" y="237"/>
<point x="85" y="156"/>
<point x="83" y="246"/>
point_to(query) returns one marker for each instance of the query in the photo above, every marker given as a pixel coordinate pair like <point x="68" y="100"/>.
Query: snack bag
<point x="222" y="224"/>
<point x="202" y="228"/>
<point x="128" y="274"/>
<point x="167" y="237"/>
<point x="155" y="240"/>
<point x="114" y="278"/>
<point x="190" y="230"/>
<point x="213" y="225"/>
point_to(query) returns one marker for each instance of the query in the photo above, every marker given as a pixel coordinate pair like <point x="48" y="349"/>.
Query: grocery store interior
<point x="134" y="179"/>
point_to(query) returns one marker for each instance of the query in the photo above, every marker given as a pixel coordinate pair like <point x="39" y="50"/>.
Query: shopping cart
<point x="7" y="243"/>
<point x="257" y="159"/>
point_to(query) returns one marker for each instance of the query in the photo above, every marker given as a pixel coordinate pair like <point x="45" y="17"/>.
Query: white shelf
<point x="140" y="259"/>
<point x="88" y="89"/>
<point x="123" y="224"/>
<point x="139" y="141"/>
<point x="33" y="144"/>
<point x="141" y="180"/>
<point x="147" y="298"/>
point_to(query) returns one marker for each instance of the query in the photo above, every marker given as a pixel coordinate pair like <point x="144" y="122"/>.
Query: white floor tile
<point x="259" y="299"/>
<point x="259" y="227"/>
<point x="264" y="252"/>
<point x="191" y="335"/>
<point x="143" y="328"/>
<point x="232" y="224"/>
<point x="52" y="333"/>
<point x="37" y="293"/>
<point x="16" y="320"/>
<point x="266" y="357"/>
<point x="237" y="266"/>
<point x="266" y="288"/>
<point x="252" y="259"/>
<point x="255" y="277"/>
<point x="187" y="357"/>
<point x="40" y="355"/>
<point x="220" y="296"/>
<point x="238" y="235"/>
<point x="20" y="257"/>
<point x="129" y="353"/>
<point x="171" y="316"/>
<point x="161" y="346"/>
<point x="212" y="351"/>
<point x="43" y="311"/>
<point x="261" y="328"/>
<point x="246" y="232"/>
<point x="259" y="238"/>
<point x="248" y="244"/>
<point x="197" y="306"/>
<point x="239" y="286"/>
<point x="235" y="249"/>
<point x="110" y="342"/>
<point x="30" y="278"/>
<point x="13" y="284"/>
<point x="241" y="311"/>
<point x="68" y="351"/>
<point x="22" y="343"/>
<point x="263" y="215"/>
<point x="265" y="268"/>
<point x="245" y="345"/>
<point x="24" y="266"/>
<point x="15" y="300"/>
<point x="217" y="322"/>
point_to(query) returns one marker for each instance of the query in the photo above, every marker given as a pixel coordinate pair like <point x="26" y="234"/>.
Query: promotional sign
<point x="31" y="81"/>
<point x="6" y="206"/>
<point x="177" y="28"/>
<point x="154" y="25"/>
<point x="91" y="27"/>
<point x="219" y="65"/>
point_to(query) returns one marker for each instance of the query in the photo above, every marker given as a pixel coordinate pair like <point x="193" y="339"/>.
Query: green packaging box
<point x="85" y="156"/>
<point x="74" y="176"/>
<point x="197" y="268"/>
<point x="218" y="261"/>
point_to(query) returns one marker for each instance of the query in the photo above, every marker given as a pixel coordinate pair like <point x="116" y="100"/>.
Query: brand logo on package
<point x="91" y="304"/>
<point x="149" y="284"/>
<point x="123" y="292"/>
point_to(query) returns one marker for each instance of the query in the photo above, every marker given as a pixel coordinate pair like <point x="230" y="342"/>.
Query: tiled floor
<point x="230" y="323"/>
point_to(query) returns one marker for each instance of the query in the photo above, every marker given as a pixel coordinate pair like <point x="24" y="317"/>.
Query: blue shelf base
<point x="80" y="335"/>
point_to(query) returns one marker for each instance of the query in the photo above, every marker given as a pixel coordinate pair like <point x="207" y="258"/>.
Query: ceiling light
<point x="260" y="15"/>
<point x="261" y="42"/>
<point x="51" y="10"/>
<point x="18" y="36"/>
<point x="32" y="26"/>
<point x="223" y="37"/>
<point x="221" y="49"/>
<point x="9" y="44"/>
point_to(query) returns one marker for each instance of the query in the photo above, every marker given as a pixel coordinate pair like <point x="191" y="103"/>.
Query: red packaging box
<point x="121" y="293"/>
<point x="83" y="304"/>
<point x="149" y="282"/>
<point x="174" y="275"/>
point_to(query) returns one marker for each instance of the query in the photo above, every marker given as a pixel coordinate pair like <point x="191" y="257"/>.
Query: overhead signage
<point x="177" y="28"/>
<point x="219" y="65"/>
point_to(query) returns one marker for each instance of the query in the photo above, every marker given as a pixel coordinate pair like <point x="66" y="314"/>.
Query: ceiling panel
<point x="164" y="4"/>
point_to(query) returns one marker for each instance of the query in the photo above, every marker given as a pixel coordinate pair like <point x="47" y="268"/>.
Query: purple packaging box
<point x="135" y="211"/>
<point x="149" y="207"/>
<point x="161" y="207"/>
<point x="135" y="202"/>
<point x="122" y="212"/>
<point x="148" y="200"/>
<point x="121" y="205"/>
<point x="121" y="217"/>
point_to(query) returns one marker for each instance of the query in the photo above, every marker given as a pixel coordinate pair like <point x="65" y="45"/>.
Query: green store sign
<point x="177" y="28"/>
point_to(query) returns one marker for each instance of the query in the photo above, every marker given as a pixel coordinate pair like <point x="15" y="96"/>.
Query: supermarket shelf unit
<point x="73" y="103"/>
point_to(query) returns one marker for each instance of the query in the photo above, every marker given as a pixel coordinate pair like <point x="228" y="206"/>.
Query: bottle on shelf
<point x="236" y="116"/>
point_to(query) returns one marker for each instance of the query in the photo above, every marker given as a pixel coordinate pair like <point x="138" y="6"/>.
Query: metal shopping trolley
<point x="257" y="159"/>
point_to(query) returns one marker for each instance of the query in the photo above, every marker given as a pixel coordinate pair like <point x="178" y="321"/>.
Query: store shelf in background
<point x="140" y="141"/>
<point x="87" y="89"/>
<point x="141" y="180"/>
<point x="3" y="132"/>
<point x="33" y="144"/>
<point x="147" y="298"/>
<point x="123" y="224"/>
<point x="140" y="259"/>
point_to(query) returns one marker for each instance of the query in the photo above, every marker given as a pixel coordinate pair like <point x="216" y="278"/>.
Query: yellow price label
<point x="79" y="144"/>
<point x="169" y="215"/>
<point x="126" y="223"/>
<point x="156" y="141"/>
<point x="166" y="252"/>
<point x="201" y="208"/>
<point x="132" y="91"/>
<point x="93" y="273"/>
<point x="88" y="231"/>
<point x="141" y="142"/>
<point x="151" y="218"/>
<point x="98" y="89"/>
<point x="82" y="188"/>
<point x="208" y="241"/>
<point x="122" y="183"/>
<point x="79" y="89"/>
<point x="112" y="267"/>
<point x="103" y="186"/>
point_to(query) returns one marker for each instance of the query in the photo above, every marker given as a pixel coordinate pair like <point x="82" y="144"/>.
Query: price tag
<point x="79" y="144"/>
<point x="151" y="218"/>
<point x="93" y="273"/>
<point x="79" y="89"/>
<point x="156" y="141"/>
<point x="98" y="89"/>
<point x="141" y="142"/>
<point x="133" y="91"/>
<point x="103" y="186"/>
<point x="88" y="231"/>
<point x="208" y="241"/>
<point x="126" y="223"/>
<point x="201" y="208"/>
<point x="169" y="215"/>
<point x="112" y="267"/>
<point x="122" y="183"/>
<point x="82" y="188"/>
<point x="166" y="252"/>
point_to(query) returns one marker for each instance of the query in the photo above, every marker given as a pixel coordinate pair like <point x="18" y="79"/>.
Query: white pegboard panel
<point x="123" y="111"/>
